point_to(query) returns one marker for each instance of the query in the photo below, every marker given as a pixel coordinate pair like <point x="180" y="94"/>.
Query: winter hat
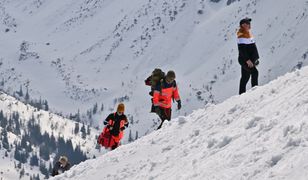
<point x="170" y="75"/>
<point x="63" y="159"/>
<point x="245" y="21"/>
<point x="121" y="108"/>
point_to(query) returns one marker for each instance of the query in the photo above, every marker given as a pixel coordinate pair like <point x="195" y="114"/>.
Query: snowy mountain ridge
<point x="77" y="53"/>
<point x="259" y="135"/>
<point x="33" y="139"/>
<point x="83" y="55"/>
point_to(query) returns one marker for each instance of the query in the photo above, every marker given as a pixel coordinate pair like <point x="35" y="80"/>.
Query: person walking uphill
<point x="164" y="92"/>
<point x="248" y="55"/>
<point x="113" y="131"/>
<point x="156" y="76"/>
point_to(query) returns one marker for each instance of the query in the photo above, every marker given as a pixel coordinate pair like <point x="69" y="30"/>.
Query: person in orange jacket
<point x="165" y="91"/>
<point x="115" y="126"/>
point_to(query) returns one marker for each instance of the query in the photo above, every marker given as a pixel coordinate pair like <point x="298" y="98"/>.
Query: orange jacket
<point x="163" y="94"/>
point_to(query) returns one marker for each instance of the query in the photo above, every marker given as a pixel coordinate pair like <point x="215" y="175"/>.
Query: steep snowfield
<point x="262" y="134"/>
<point x="75" y="53"/>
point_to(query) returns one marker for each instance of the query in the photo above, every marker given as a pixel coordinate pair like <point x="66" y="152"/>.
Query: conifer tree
<point x="27" y="96"/>
<point x="130" y="138"/>
<point x="136" y="137"/>
<point x="83" y="131"/>
<point x="76" y="129"/>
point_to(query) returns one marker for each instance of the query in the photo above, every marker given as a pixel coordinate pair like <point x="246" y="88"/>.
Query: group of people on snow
<point x="164" y="90"/>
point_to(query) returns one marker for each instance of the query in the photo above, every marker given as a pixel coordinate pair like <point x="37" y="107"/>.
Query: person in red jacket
<point x="164" y="92"/>
<point x="114" y="130"/>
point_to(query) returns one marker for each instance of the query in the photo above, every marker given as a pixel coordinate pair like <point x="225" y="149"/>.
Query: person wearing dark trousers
<point x="115" y="125"/>
<point x="248" y="55"/>
<point x="164" y="92"/>
<point x="62" y="165"/>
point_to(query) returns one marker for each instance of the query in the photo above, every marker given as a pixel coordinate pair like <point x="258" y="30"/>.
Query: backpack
<point x="157" y="76"/>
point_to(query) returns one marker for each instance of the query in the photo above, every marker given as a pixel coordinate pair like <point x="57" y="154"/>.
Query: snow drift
<point x="262" y="134"/>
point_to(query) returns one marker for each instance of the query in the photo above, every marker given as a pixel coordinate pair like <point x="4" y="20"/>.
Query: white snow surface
<point x="79" y="52"/>
<point x="262" y="134"/>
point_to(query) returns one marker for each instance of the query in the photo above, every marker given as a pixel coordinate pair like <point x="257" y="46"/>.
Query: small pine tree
<point x="44" y="152"/>
<point x="34" y="161"/>
<point x="45" y="105"/>
<point x="130" y="138"/>
<point x="2" y="83"/>
<point x="95" y="108"/>
<point x="102" y="107"/>
<point x="88" y="130"/>
<point x="27" y="96"/>
<point x="20" y="93"/>
<point x="76" y="129"/>
<point x="5" y="140"/>
<point x="78" y="119"/>
<point x="19" y="165"/>
<point x="22" y="173"/>
<point x="50" y="168"/>
<point x="136" y="137"/>
<point x="83" y="131"/>
<point x="44" y="170"/>
<point x="3" y="120"/>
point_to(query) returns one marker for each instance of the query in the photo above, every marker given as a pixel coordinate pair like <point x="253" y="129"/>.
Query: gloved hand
<point x="179" y="104"/>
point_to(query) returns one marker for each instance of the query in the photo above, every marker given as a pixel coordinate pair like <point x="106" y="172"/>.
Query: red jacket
<point x="164" y="93"/>
<point x="118" y="124"/>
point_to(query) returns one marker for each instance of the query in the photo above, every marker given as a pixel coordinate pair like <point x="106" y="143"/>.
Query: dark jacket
<point x="246" y="47"/>
<point x="114" y="120"/>
<point x="246" y="52"/>
<point x="59" y="169"/>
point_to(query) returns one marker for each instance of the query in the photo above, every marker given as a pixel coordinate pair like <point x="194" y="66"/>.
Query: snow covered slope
<point x="33" y="139"/>
<point x="262" y="134"/>
<point x="76" y="53"/>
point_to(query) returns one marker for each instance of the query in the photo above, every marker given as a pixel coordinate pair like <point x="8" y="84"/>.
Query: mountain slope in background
<point x="79" y="53"/>
<point x="33" y="139"/>
<point x="259" y="135"/>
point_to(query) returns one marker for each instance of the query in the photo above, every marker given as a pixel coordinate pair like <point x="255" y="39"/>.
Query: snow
<point x="51" y="124"/>
<point x="102" y="50"/>
<point x="259" y="135"/>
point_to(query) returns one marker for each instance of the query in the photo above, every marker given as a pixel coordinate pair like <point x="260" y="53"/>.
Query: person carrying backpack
<point x="156" y="76"/>
<point x="61" y="166"/>
<point x="113" y="131"/>
<point x="164" y="92"/>
<point x="248" y="55"/>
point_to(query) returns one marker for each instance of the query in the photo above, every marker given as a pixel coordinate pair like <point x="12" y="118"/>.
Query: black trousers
<point x="246" y="73"/>
<point x="165" y="114"/>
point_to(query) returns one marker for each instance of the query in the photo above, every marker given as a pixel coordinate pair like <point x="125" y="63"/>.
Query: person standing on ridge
<point x="248" y="55"/>
<point x="164" y="92"/>
<point x="113" y="132"/>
